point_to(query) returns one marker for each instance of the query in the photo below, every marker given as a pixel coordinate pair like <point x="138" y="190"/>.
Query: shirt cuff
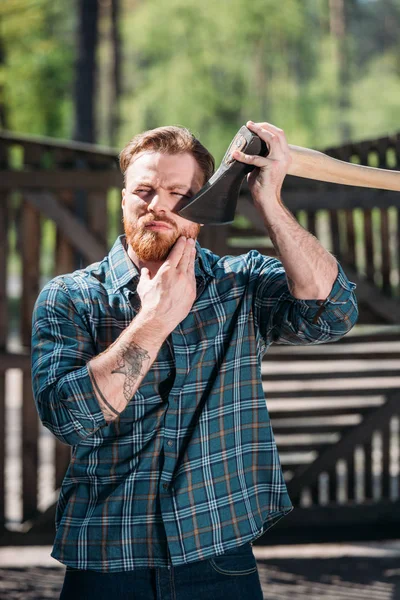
<point x="340" y="295"/>
<point x="76" y="389"/>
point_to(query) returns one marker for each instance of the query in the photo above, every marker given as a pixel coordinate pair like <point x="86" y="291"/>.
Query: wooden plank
<point x="10" y="360"/>
<point x="301" y="394"/>
<point x="387" y="333"/>
<point x="387" y="308"/>
<point x="215" y="239"/>
<point x="351" y="476"/>
<point x="2" y="446"/>
<point x="56" y="180"/>
<point x="325" y="428"/>
<point x="385" y="479"/>
<point x="4" y="320"/>
<point x="325" y="374"/>
<point x="369" y="245"/>
<point x="54" y="143"/>
<point x="3" y="269"/>
<point x="329" y="357"/>
<point x="321" y="412"/>
<point x="64" y="252"/>
<point x="385" y="245"/>
<point x="358" y="435"/>
<point x="367" y="446"/>
<point x="65" y="263"/>
<point x="365" y="515"/>
<point x="75" y="231"/>
<point x="312" y="222"/>
<point x="350" y="239"/>
<point x="338" y="196"/>
<point x="30" y="458"/>
<point x="334" y="228"/>
<point x="97" y="215"/>
<point x="30" y="255"/>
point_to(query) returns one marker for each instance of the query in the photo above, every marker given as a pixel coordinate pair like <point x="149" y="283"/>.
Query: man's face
<point x="156" y="185"/>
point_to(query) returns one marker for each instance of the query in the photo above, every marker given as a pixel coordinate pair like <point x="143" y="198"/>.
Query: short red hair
<point x="169" y="140"/>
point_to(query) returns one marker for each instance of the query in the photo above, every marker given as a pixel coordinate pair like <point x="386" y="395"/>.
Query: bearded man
<point x="148" y="364"/>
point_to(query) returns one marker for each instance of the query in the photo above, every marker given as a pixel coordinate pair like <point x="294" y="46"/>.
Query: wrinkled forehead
<point x="164" y="169"/>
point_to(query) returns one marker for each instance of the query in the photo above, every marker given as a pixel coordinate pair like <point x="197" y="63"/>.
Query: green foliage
<point x="211" y="66"/>
<point x="38" y="42"/>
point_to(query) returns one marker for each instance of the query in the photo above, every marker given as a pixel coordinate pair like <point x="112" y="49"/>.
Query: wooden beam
<point x="323" y="196"/>
<point x="71" y="179"/>
<point x="50" y="142"/>
<point x="71" y="227"/>
<point x="357" y="435"/>
<point x="369" y="294"/>
<point x="8" y="360"/>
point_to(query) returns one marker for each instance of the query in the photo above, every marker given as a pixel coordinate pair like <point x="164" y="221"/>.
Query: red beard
<point x="150" y="245"/>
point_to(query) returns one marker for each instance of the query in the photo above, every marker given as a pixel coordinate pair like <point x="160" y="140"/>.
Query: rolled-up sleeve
<point x="284" y="319"/>
<point x="61" y="347"/>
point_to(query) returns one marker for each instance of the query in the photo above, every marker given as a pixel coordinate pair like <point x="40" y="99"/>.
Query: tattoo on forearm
<point x="107" y="408"/>
<point x="130" y="360"/>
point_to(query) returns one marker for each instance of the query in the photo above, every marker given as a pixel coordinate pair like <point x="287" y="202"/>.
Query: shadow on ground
<point x="345" y="578"/>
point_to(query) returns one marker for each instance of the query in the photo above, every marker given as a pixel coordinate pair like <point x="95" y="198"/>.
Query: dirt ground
<point x="366" y="571"/>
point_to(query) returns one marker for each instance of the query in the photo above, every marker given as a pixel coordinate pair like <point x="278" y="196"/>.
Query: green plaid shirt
<point x="190" y="468"/>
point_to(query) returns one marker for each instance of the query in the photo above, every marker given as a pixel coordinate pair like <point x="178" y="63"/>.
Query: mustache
<point x="154" y="220"/>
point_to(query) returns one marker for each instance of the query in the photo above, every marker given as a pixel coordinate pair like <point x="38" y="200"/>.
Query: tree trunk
<point x="85" y="79"/>
<point x="3" y="108"/>
<point x="337" y="20"/>
<point x="116" y="73"/>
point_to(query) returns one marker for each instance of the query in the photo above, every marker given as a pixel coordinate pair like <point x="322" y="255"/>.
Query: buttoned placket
<point x="179" y="356"/>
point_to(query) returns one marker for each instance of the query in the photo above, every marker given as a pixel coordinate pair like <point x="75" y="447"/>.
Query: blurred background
<point x="77" y="80"/>
<point x="326" y="71"/>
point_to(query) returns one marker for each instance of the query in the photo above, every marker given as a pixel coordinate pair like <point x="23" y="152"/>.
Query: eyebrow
<point x="170" y="187"/>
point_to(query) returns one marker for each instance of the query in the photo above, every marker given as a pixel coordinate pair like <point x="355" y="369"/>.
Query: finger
<point x="261" y="128"/>
<point x="272" y="128"/>
<point x="187" y="256"/>
<point x="250" y="159"/>
<point x="144" y="273"/>
<point x="192" y="261"/>
<point x="176" y="252"/>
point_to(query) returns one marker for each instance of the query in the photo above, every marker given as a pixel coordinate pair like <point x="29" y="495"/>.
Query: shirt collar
<point x="123" y="269"/>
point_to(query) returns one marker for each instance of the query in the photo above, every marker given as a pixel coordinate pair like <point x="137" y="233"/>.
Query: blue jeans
<point x="229" y="576"/>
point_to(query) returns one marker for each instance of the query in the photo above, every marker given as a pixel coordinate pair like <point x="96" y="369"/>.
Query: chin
<point x="151" y="246"/>
<point x="154" y="246"/>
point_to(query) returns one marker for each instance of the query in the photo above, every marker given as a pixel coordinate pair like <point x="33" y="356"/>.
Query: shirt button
<point x="165" y="486"/>
<point x="170" y="443"/>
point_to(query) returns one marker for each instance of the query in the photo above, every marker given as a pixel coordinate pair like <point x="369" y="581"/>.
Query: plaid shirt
<point x="190" y="469"/>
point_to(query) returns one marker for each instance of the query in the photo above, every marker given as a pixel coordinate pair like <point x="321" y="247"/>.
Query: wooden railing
<point x="59" y="210"/>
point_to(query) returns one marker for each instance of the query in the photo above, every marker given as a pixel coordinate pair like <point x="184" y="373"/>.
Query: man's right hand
<point x="168" y="297"/>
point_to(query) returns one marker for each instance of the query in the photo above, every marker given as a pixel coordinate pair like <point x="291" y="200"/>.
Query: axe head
<point x="215" y="203"/>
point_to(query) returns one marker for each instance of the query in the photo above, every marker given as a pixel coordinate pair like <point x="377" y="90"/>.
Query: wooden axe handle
<point x="312" y="164"/>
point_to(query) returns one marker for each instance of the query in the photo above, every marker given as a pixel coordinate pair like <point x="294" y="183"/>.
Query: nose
<point x="158" y="203"/>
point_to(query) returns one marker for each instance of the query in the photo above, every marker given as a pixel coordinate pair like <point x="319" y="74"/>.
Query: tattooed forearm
<point x="109" y="412"/>
<point x="130" y="360"/>
<point x="117" y="372"/>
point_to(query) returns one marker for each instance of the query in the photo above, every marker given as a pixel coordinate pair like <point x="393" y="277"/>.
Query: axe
<point x="215" y="203"/>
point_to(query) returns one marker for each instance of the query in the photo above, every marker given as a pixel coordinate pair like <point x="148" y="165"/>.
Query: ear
<point x="123" y="198"/>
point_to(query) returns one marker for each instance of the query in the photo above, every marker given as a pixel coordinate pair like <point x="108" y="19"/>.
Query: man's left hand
<point x="267" y="178"/>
